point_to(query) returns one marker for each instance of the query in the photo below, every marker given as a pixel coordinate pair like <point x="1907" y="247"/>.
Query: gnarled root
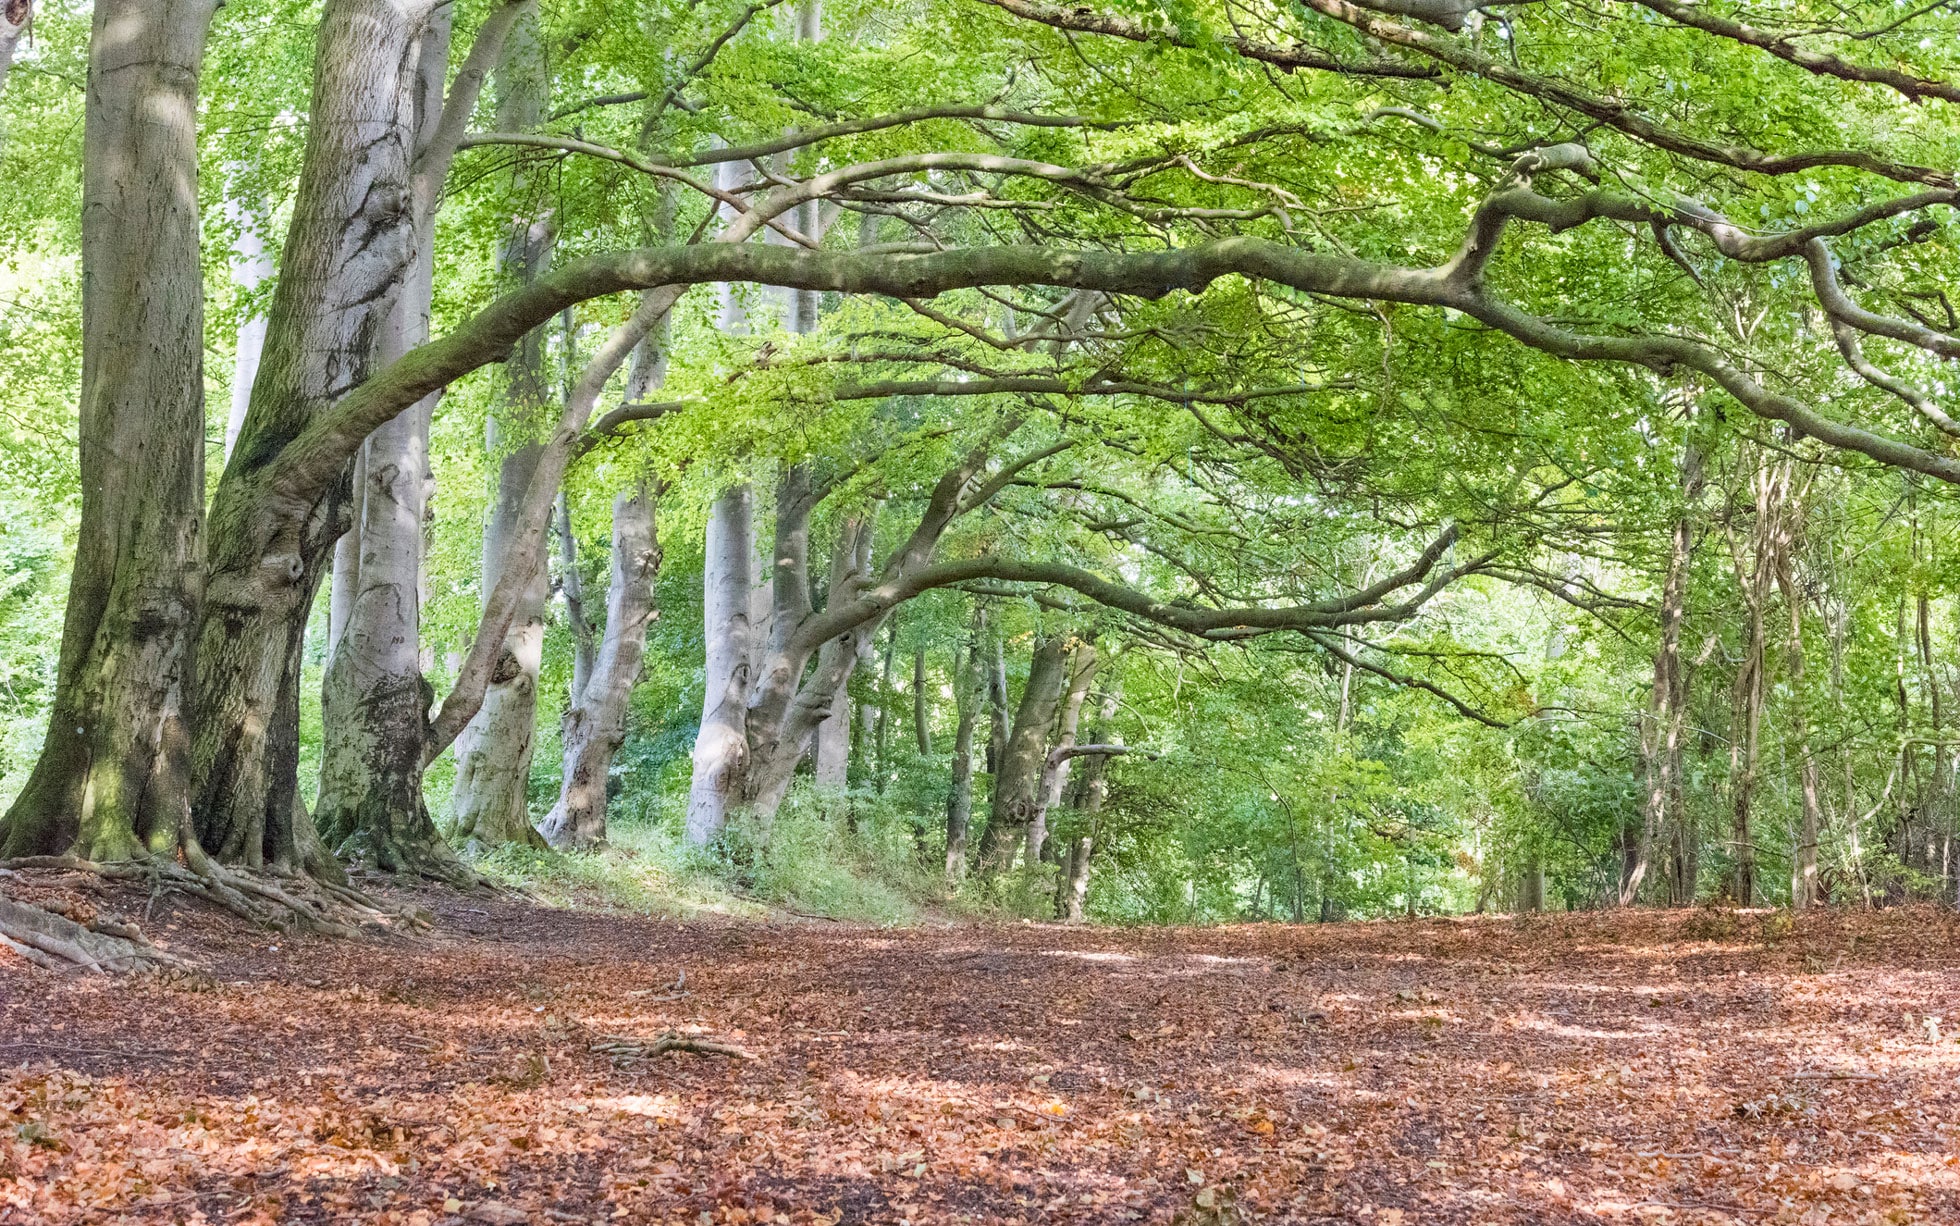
<point x="297" y="903"/>
<point x="57" y="942"/>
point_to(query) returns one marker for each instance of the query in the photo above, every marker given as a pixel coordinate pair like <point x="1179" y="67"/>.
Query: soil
<point x="1680" y="1067"/>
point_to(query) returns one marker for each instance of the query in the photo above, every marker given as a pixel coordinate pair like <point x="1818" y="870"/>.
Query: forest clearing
<point x="1705" y="1067"/>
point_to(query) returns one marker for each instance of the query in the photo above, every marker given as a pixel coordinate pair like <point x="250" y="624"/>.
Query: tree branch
<point x="1287" y="59"/>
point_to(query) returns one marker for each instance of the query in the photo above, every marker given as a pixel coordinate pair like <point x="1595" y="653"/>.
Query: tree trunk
<point x="921" y="729"/>
<point x="1055" y="767"/>
<point x="1938" y="805"/>
<point x="1745" y="764"/>
<point x="831" y="768"/>
<point x="346" y="256"/>
<point x="969" y="684"/>
<point x="1075" y="877"/>
<point x="1661" y="807"/>
<point x="1531" y="886"/>
<point x="111" y="780"/>
<point x="1805" y="888"/>
<point x="14" y="18"/>
<point x="1017" y="784"/>
<point x="493" y="754"/>
<point x="490" y="805"/>
<point x="789" y="697"/>
<point x="1091" y="790"/>
<point x="595" y="723"/>
<point x="375" y="699"/>
<point x="721" y="748"/>
<point x="851" y="557"/>
<point x="251" y="267"/>
<point x="885" y="708"/>
<point x="571" y="585"/>
<point x="997" y="711"/>
<point x="343" y="264"/>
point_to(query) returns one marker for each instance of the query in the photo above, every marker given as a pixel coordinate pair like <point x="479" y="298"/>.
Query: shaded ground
<point x="1679" y="1068"/>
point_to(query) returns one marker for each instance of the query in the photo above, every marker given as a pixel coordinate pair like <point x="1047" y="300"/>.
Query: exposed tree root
<point x="55" y="941"/>
<point x="292" y="903"/>
<point x="623" y="1049"/>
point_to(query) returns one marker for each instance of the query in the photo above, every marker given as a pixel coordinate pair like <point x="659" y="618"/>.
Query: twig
<point x="1832" y="1077"/>
<point x="622" y="1048"/>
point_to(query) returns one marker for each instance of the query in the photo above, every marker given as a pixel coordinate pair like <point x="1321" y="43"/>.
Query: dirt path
<point x="1655" y="1068"/>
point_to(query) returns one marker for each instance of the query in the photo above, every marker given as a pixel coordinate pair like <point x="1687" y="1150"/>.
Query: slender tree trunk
<point x="493" y="754"/>
<point x="798" y="657"/>
<point x="1091" y="791"/>
<point x="251" y="267"/>
<point x="111" y="781"/>
<point x="345" y="580"/>
<point x="969" y="680"/>
<point x="832" y="766"/>
<point x="1751" y="688"/>
<point x="595" y="723"/>
<point x="1017" y="784"/>
<point x="721" y="748"/>
<point x="850" y="558"/>
<point x="490" y="802"/>
<point x="997" y="711"/>
<point x="1666" y="722"/>
<point x="1939" y="801"/>
<point x="1806" y="889"/>
<point x="885" y="707"/>
<point x="1531" y="886"/>
<point x="921" y="729"/>
<point x="1055" y="766"/>
<point x="375" y="699"/>
<point x="571" y="585"/>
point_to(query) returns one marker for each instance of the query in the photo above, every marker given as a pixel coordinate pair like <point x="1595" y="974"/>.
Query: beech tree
<point x="1265" y="261"/>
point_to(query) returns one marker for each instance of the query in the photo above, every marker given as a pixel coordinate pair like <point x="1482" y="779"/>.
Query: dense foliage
<point x="1626" y="630"/>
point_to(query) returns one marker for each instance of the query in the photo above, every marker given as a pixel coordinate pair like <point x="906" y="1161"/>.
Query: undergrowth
<point x="846" y="856"/>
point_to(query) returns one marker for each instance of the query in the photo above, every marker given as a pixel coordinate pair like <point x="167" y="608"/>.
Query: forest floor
<point x="1681" y="1067"/>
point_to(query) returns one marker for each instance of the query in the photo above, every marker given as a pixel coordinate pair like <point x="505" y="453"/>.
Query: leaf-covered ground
<point x="1687" y="1067"/>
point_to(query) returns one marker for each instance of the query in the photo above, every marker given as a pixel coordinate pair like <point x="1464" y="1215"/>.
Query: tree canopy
<point x="1292" y="460"/>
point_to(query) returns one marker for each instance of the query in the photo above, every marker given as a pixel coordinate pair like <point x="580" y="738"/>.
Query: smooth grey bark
<point x="374" y="698"/>
<point x="1755" y="574"/>
<point x="1806" y="889"/>
<point x="921" y="723"/>
<point x="493" y="752"/>
<point x="1091" y="790"/>
<point x="721" y="746"/>
<point x="346" y="257"/>
<point x="883" y="750"/>
<point x="1017" y="783"/>
<point x="521" y="552"/>
<point x="850" y="556"/>
<point x="111" y="781"/>
<point x="346" y="578"/>
<point x="595" y="723"/>
<point x="571" y="585"/>
<point x="798" y="657"/>
<point x="251" y="267"/>
<point x="998" y="722"/>
<point x="1055" y="766"/>
<point x="15" y="16"/>
<point x="1662" y="799"/>
<point x="969" y="683"/>
<point x="603" y="678"/>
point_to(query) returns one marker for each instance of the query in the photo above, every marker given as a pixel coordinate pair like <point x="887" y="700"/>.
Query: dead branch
<point x="624" y="1048"/>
